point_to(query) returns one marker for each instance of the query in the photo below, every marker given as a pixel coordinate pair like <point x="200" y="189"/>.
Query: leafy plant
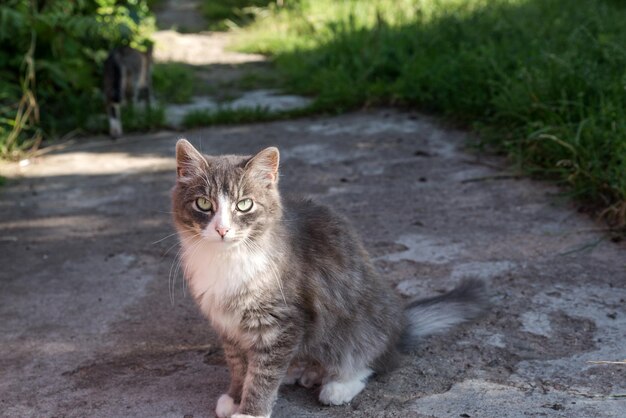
<point x="51" y="55"/>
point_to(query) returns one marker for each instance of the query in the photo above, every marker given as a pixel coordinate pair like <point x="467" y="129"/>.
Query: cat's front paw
<point x="226" y="407"/>
<point x="249" y="416"/>
<point x="339" y="393"/>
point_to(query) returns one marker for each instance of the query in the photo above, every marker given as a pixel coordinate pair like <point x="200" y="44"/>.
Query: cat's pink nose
<point x="222" y="230"/>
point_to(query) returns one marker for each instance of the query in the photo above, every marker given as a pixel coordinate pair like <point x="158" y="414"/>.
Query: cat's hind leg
<point x="313" y="375"/>
<point x="342" y="389"/>
<point x="305" y="373"/>
<point x="294" y="372"/>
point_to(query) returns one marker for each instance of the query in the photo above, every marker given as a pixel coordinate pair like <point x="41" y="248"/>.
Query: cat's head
<point x="227" y="200"/>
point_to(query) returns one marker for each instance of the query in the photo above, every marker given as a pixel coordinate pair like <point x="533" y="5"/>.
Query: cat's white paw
<point x="340" y="392"/>
<point x="226" y="407"/>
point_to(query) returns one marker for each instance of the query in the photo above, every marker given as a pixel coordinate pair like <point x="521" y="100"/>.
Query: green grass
<point x="254" y="79"/>
<point x="226" y="14"/>
<point x="173" y="82"/>
<point x="135" y="118"/>
<point x="544" y="80"/>
<point x="139" y="119"/>
<point x="228" y="116"/>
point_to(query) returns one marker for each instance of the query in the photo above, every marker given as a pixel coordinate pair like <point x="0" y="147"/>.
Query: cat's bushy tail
<point x="428" y="316"/>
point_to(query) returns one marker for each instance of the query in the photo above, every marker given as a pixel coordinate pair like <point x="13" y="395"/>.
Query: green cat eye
<point x="244" y="205"/>
<point x="203" y="204"/>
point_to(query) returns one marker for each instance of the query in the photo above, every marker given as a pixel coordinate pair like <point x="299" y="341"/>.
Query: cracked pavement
<point x="91" y="327"/>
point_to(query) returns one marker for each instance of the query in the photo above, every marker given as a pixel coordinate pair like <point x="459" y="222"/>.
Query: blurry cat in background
<point x="127" y="76"/>
<point x="289" y="287"/>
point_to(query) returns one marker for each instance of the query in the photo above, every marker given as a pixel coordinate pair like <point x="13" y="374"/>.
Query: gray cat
<point x="289" y="286"/>
<point x="127" y="75"/>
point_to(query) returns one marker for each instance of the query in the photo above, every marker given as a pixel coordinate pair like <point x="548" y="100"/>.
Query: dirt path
<point x="217" y="69"/>
<point x="90" y="325"/>
<point x="88" y="328"/>
<point x="199" y="49"/>
<point x="180" y="15"/>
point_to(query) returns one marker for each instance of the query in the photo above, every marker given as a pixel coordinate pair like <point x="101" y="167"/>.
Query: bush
<point x="51" y="55"/>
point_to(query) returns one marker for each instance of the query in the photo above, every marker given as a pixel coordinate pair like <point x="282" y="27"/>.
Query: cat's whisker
<point x="204" y="173"/>
<point x="206" y="178"/>
<point x="170" y="248"/>
<point x="176" y="262"/>
<point x="164" y="238"/>
<point x="177" y="242"/>
<point x="276" y="275"/>
<point x="179" y="263"/>
<point x="193" y="253"/>
<point x="272" y="266"/>
<point x="172" y="279"/>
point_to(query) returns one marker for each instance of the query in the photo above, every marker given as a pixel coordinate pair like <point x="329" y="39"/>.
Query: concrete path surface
<point x="90" y="325"/>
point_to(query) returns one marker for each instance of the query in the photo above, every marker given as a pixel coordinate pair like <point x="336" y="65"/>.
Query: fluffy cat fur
<point x="289" y="286"/>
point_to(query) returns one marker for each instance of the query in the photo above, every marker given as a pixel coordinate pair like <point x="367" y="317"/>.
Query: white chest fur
<point x="216" y="275"/>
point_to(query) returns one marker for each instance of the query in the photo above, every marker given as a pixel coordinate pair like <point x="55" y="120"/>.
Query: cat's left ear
<point x="264" y="165"/>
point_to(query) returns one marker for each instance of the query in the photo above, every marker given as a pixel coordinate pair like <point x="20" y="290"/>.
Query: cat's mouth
<point x="226" y="240"/>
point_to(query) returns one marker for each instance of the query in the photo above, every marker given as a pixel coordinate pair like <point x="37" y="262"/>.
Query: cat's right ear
<point x="189" y="162"/>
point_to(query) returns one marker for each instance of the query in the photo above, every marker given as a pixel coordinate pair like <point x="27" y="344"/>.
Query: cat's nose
<point x="222" y="230"/>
